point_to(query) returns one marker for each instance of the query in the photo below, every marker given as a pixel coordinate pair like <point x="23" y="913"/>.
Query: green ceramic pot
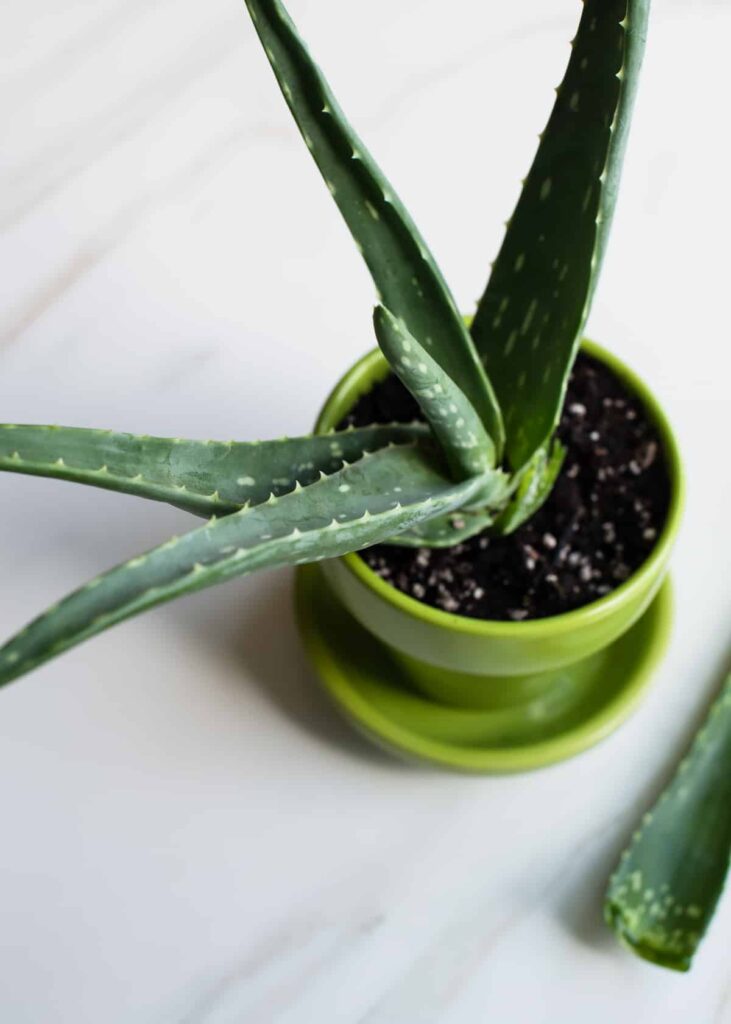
<point x="469" y="663"/>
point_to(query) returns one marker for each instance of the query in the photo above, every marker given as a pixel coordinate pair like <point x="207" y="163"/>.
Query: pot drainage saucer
<point x="580" y="705"/>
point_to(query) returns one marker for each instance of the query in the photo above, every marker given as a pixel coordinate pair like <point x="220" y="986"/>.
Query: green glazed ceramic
<point x="489" y="666"/>
<point x="574" y="709"/>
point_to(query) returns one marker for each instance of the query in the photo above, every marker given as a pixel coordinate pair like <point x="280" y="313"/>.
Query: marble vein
<point x="117" y="230"/>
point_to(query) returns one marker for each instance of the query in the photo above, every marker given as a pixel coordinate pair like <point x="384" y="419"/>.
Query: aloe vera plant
<point x="491" y="395"/>
<point x="663" y="895"/>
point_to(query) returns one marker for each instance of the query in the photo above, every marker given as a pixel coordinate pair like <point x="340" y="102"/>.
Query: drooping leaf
<point x="203" y="477"/>
<point x="444" y="531"/>
<point x="535" y="485"/>
<point x="403" y="269"/>
<point x="391" y="490"/>
<point x="663" y="895"/>
<point x="528" y="323"/>
<point x="447" y="409"/>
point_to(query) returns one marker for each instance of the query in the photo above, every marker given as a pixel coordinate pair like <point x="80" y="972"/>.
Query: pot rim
<point x="369" y="365"/>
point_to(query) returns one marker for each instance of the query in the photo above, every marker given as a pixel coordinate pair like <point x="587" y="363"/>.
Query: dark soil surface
<point x="599" y="524"/>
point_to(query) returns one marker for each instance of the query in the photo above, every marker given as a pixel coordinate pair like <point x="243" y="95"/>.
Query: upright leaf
<point x="403" y="269"/>
<point x="529" y="321"/>
<point x="391" y="490"/>
<point x="446" y="408"/>
<point x="534" y="486"/>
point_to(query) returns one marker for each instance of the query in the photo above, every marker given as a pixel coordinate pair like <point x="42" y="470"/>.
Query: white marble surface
<point x="189" y="833"/>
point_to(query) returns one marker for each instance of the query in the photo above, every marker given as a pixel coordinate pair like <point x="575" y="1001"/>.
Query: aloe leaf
<point x="203" y="477"/>
<point x="535" y="485"/>
<point x="519" y="500"/>
<point x="404" y="271"/>
<point x="529" y="321"/>
<point x="447" y="409"/>
<point x="444" y="531"/>
<point x="662" y="897"/>
<point x="391" y="490"/>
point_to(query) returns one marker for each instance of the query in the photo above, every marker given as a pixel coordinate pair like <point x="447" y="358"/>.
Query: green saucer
<point x="579" y="706"/>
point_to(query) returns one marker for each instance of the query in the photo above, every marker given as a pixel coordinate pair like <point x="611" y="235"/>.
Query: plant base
<point x="552" y="716"/>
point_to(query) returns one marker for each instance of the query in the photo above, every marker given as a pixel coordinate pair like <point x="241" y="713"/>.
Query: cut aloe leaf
<point x="663" y="895"/>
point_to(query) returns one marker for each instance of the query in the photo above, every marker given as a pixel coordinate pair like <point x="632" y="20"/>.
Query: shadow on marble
<point x="580" y="905"/>
<point x="257" y="632"/>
